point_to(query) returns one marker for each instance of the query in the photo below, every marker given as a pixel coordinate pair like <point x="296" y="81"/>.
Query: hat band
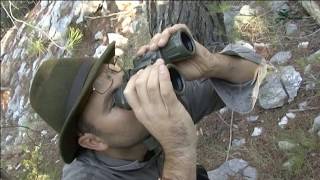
<point x="78" y="83"/>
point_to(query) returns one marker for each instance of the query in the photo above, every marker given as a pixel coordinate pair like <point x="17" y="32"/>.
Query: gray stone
<point x="238" y="142"/>
<point x="252" y="118"/>
<point x="316" y="125"/>
<point x="290" y="115"/>
<point x="245" y="44"/>
<point x="99" y="51"/>
<point x="319" y="133"/>
<point x="281" y="57"/>
<point x="285" y="145"/>
<point x="303" y="105"/>
<point x="9" y="139"/>
<point x="303" y="45"/>
<point x="229" y="20"/>
<point x="283" y="122"/>
<point x="98" y="35"/>
<point x="272" y="94"/>
<point x="246" y="10"/>
<point x="315" y="56"/>
<point x="291" y="80"/>
<point x="250" y="173"/>
<point x="257" y="131"/>
<point x="16" y="53"/>
<point x="310" y="85"/>
<point x="120" y="40"/>
<point x="235" y="168"/>
<point x="291" y="29"/>
<point x="279" y="6"/>
<point x="307" y="69"/>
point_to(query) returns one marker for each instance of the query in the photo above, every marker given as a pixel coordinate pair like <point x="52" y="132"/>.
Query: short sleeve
<point x="241" y="97"/>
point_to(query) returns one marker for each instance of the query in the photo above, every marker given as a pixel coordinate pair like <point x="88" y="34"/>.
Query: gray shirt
<point x="200" y="98"/>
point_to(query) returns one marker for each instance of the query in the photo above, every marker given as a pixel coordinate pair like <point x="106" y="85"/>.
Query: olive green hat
<point x="59" y="92"/>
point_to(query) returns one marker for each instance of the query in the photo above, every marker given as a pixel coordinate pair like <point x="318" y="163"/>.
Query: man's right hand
<point x="151" y="96"/>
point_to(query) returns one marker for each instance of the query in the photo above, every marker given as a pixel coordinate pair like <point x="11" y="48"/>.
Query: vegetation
<point x="74" y="38"/>
<point x="36" y="47"/>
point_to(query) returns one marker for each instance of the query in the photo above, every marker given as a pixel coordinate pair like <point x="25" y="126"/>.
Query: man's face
<point x="119" y="127"/>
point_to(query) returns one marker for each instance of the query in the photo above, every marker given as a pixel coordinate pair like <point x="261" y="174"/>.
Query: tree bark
<point x="207" y="27"/>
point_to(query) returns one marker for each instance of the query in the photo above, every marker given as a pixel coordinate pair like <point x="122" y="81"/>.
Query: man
<point x="102" y="141"/>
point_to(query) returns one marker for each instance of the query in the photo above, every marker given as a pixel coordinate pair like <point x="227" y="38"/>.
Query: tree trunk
<point x="206" y="27"/>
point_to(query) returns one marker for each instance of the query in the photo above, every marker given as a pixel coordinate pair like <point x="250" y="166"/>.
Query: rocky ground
<point x="279" y="139"/>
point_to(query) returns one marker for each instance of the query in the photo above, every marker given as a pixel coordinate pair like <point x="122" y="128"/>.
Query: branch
<point x="20" y="126"/>
<point x="230" y="136"/>
<point x="35" y="27"/>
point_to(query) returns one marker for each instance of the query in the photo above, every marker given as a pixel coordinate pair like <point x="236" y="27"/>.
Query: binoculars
<point x="180" y="46"/>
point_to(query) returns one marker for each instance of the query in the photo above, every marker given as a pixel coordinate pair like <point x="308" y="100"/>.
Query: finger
<point x="169" y="31"/>
<point x="142" y="50"/>
<point x="153" y="86"/>
<point x="141" y="87"/>
<point x="154" y="42"/>
<point x="130" y="92"/>
<point x="166" y="88"/>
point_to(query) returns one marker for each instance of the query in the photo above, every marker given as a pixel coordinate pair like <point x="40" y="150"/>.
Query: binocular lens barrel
<point x="180" y="47"/>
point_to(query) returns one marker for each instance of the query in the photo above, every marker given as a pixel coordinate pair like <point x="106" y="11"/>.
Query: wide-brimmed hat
<point x="59" y="92"/>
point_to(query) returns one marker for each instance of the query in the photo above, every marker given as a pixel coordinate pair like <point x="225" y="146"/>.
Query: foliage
<point x="32" y="164"/>
<point x="297" y="157"/>
<point x="36" y="47"/>
<point x="74" y="38"/>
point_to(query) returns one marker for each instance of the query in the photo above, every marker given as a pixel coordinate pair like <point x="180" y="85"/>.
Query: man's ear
<point x="91" y="141"/>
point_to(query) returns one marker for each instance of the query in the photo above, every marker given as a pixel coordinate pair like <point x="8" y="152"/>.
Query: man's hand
<point x="151" y="96"/>
<point x="191" y="69"/>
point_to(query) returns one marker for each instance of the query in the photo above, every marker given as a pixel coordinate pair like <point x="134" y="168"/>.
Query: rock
<point x="281" y="57"/>
<point x="16" y="53"/>
<point x="291" y="80"/>
<point x="44" y="132"/>
<point x="312" y="8"/>
<point x="288" y="165"/>
<point x="223" y="110"/>
<point x="246" y="10"/>
<point x="285" y="145"/>
<point x="272" y="94"/>
<point x="319" y="133"/>
<point x="257" y="131"/>
<point x="9" y="139"/>
<point x="310" y="85"/>
<point x="314" y="57"/>
<point x="250" y="173"/>
<point x="316" y="125"/>
<point x="229" y="20"/>
<point x="252" y="118"/>
<point x="290" y="115"/>
<point x="279" y="6"/>
<point x="307" y="69"/>
<point x="98" y="36"/>
<point x="303" y="45"/>
<point x="245" y="44"/>
<point x="99" y="51"/>
<point x="303" y="105"/>
<point x="232" y="168"/>
<point x="291" y="29"/>
<point x="236" y="143"/>
<point x="118" y="52"/>
<point x="120" y="40"/>
<point x="283" y="121"/>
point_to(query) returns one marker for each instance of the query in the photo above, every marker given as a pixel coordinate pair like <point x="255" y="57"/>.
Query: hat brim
<point x="68" y="143"/>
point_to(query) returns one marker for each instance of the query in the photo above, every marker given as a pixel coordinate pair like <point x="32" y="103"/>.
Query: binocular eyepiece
<point x="180" y="46"/>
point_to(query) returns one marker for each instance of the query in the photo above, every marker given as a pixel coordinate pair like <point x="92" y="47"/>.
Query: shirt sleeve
<point x="241" y="97"/>
<point x="200" y="98"/>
